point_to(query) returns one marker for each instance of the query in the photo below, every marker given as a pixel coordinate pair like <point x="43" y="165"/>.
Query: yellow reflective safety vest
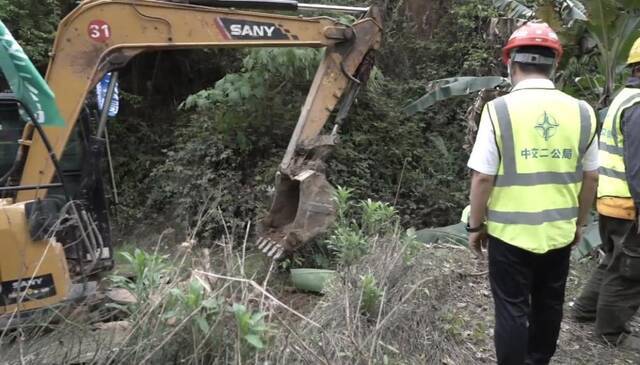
<point x="542" y="135"/>
<point x="614" y="197"/>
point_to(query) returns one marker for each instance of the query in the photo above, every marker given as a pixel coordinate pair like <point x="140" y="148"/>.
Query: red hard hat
<point x="532" y="34"/>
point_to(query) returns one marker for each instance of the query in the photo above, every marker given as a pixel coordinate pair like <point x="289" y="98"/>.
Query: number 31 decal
<point x="99" y="31"/>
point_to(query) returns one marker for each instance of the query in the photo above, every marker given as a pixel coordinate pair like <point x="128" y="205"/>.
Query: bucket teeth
<point x="278" y="253"/>
<point x="270" y="248"/>
<point x="262" y="242"/>
<point x="273" y="250"/>
<point x="265" y="244"/>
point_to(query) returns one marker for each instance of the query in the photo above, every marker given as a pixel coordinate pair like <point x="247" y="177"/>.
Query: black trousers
<point x="528" y="291"/>
<point x="612" y="295"/>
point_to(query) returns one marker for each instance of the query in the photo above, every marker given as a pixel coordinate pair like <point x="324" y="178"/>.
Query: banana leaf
<point x="451" y="87"/>
<point x="629" y="4"/>
<point x="573" y="10"/>
<point x="457" y="235"/>
<point x="26" y="83"/>
<point x="614" y="32"/>
<point x="514" y="9"/>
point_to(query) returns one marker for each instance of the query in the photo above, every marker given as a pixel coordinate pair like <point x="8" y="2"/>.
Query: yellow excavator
<point x="54" y="224"/>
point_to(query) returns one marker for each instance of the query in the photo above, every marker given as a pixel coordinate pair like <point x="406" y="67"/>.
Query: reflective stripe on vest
<point x="534" y="204"/>
<point x="613" y="177"/>
<point x="533" y="218"/>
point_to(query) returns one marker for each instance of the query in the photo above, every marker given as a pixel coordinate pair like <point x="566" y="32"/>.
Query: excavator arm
<point x="103" y="35"/>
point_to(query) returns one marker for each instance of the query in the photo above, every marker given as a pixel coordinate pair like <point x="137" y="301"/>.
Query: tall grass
<point x="204" y="305"/>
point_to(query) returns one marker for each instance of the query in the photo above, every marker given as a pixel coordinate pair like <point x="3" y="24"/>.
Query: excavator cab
<point x="77" y="179"/>
<point x="42" y="259"/>
<point x="11" y="126"/>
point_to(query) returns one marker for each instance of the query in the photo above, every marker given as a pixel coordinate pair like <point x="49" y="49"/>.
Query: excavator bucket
<point x="303" y="207"/>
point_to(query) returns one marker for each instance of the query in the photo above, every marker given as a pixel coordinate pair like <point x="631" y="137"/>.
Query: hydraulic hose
<point x="290" y="5"/>
<point x="283" y="5"/>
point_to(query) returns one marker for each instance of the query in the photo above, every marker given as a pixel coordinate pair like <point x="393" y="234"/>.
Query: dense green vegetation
<point x="205" y="130"/>
<point x="33" y="23"/>
<point x="208" y="128"/>
<point x="224" y="144"/>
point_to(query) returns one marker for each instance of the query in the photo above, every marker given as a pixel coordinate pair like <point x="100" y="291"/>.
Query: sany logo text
<point x="240" y="29"/>
<point x="26" y="283"/>
<point x="251" y="30"/>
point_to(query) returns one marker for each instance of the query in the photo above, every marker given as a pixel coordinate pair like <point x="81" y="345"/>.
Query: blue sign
<point x="101" y="92"/>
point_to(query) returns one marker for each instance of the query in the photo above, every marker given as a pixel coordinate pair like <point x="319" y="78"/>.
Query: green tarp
<point x="457" y="235"/>
<point x="26" y="82"/>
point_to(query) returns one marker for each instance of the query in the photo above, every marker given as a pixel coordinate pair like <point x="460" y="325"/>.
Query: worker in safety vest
<point x="535" y="173"/>
<point x="612" y="295"/>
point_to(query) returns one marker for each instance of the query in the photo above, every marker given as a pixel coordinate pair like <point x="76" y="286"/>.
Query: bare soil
<point x="471" y="319"/>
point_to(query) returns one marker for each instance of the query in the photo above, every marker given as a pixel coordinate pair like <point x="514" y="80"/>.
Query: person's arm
<point x="481" y="187"/>
<point x="590" y="165"/>
<point x="484" y="162"/>
<point x="587" y="196"/>
<point x="631" y="132"/>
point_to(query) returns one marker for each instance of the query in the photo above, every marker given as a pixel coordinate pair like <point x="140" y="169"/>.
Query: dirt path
<point x="472" y="320"/>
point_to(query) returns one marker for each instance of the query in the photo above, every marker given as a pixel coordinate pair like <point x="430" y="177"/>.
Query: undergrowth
<point x="204" y="305"/>
<point x="392" y="301"/>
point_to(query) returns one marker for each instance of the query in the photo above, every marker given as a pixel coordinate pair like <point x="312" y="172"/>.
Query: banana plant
<point x="610" y="25"/>
<point x="613" y="25"/>
<point x="568" y="10"/>
<point x="563" y="12"/>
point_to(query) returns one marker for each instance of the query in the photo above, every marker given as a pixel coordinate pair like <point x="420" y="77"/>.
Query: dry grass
<point x="432" y="308"/>
<point x="578" y="344"/>
<point x="436" y="310"/>
<point x="183" y="315"/>
<point x="422" y="316"/>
